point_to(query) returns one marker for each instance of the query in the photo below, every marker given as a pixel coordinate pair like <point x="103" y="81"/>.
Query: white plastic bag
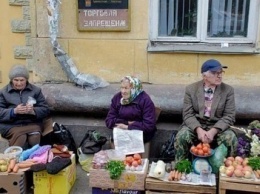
<point x="128" y="141"/>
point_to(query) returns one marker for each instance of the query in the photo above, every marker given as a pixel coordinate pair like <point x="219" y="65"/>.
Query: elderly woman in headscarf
<point x="132" y="108"/>
<point x="22" y="109"/>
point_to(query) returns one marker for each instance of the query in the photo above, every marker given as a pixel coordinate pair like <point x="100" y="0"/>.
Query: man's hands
<point x="24" y="109"/>
<point x="206" y="136"/>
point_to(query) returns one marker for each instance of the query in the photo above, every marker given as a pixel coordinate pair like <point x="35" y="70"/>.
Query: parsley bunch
<point x="184" y="166"/>
<point x="254" y="162"/>
<point x="115" y="168"/>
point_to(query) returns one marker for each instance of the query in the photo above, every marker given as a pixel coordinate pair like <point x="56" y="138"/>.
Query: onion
<point x="239" y="159"/>
<point x="238" y="173"/>
<point x="248" y="174"/>
<point x="222" y="169"/>
<point x="228" y="163"/>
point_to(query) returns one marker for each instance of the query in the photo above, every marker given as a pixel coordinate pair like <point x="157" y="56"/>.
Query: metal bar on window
<point x="182" y="19"/>
<point x="236" y="16"/>
<point x="228" y="17"/>
<point x="243" y="15"/>
<point x="171" y="17"/>
<point x="221" y="16"/>
<point x="163" y="18"/>
<point x="176" y="16"/>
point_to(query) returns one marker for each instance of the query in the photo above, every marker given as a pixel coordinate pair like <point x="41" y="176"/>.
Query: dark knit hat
<point x="18" y="71"/>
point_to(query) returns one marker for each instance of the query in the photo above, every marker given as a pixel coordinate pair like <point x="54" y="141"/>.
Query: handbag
<point x="92" y="142"/>
<point x="167" y="150"/>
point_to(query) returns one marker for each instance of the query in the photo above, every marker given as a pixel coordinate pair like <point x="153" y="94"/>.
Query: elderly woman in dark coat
<point x="22" y="109"/>
<point x="132" y="108"/>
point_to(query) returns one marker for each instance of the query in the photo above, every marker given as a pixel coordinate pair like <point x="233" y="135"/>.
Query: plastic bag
<point x="85" y="160"/>
<point x="167" y="152"/>
<point x="92" y="142"/>
<point x="217" y="159"/>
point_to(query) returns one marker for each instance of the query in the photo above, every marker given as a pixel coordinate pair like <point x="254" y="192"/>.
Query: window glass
<point x="178" y="18"/>
<point x="228" y="18"/>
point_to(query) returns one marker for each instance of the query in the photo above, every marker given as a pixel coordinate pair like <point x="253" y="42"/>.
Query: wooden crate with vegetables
<point x="240" y="174"/>
<point x="178" y="177"/>
<point x="127" y="174"/>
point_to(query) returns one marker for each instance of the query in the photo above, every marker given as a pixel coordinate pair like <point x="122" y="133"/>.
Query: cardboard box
<point x="61" y="182"/>
<point x="129" y="180"/>
<point x="13" y="183"/>
<point x="113" y="191"/>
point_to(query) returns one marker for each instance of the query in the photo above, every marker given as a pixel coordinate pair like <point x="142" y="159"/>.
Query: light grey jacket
<point x="222" y="109"/>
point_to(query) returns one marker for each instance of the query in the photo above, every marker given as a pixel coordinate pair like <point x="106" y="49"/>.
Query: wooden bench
<point x="236" y="184"/>
<point x="154" y="186"/>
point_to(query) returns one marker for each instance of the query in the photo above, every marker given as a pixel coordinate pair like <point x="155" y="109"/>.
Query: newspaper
<point x="128" y="141"/>
<point x="194" y="178"/>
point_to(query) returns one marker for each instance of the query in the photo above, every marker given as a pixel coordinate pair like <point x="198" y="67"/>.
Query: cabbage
<point x="217" y="159"/>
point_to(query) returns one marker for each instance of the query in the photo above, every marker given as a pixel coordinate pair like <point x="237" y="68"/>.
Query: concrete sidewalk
<point x="81" y="185"/>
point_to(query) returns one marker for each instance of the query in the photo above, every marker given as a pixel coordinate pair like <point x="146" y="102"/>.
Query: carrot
<point x="172" y="174"/>
<point x="170" y="177"/>
<point x="16" y="168"/>
<point x="256" y="174"/>
<point x="176" y="175"/>
<point x="179" y="176"/>
<point x="24" y="165"/>
<point x="30" y="160"/>
<point x="11" y="165"/>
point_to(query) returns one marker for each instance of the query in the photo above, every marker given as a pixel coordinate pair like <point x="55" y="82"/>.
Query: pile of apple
<point x="236" y="167"/>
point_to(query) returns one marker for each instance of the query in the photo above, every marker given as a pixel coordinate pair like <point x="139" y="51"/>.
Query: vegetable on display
<point x="184" y="166"/>
<point x="115" y="168"/>
<point x="254" y="162"/>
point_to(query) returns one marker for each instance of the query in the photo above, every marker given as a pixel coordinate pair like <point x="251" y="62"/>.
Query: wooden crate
<point x="154" y="186"/>
<point x="236" y="184"/>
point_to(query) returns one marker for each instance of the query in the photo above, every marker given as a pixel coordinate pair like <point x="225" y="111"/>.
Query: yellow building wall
<point x="110" y="55"/>
<point x="8" y="40"/>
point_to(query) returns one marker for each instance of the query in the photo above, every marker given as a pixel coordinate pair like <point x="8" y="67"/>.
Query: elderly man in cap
<point x="208" y="112"/>
<point x="22" y="109"/>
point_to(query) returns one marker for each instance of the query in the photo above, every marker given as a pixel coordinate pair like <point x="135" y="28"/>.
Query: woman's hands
<point x="24" y="109"/>
<point x="121" y="126"/>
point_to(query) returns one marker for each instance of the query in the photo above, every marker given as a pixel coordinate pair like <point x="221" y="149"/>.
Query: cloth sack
<point x="92" y="142"/>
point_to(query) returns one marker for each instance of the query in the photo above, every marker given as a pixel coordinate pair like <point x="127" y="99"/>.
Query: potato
<point x="3" y="162"/>
<point x="3" y="168"/>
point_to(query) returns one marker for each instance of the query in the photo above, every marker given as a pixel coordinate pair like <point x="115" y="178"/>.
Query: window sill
<point x="203" y="48"/>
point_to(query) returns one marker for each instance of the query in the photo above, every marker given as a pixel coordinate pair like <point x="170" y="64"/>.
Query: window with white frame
<point x="208" y="22"/>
